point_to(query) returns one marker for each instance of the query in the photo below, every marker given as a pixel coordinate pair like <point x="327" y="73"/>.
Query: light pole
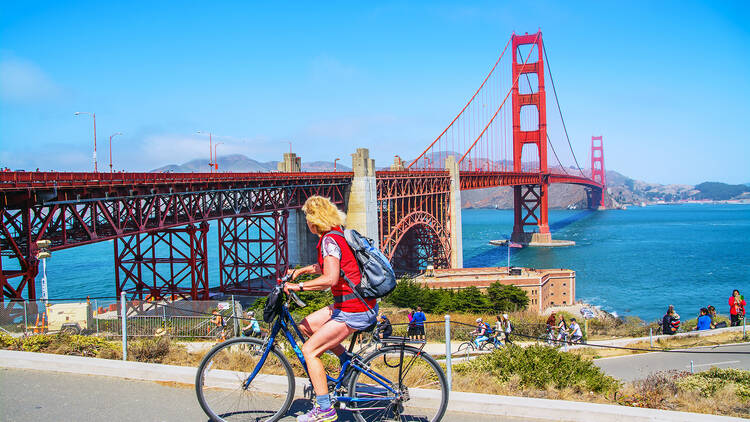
<point x="43" y="254"/>
<point x="210" y="151"/>
<point x="216" y="157"/>
<point x="110" y="149"/>
<point x="93" y="116"/>
<point x="334" y="164"/>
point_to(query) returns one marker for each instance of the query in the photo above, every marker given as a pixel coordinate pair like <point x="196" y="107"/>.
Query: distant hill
<point x="241" y="163"/>
<point x="719" y="191"/>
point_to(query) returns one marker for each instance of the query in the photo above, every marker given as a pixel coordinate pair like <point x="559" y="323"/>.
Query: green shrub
<point x="709" y="382"/>
<point x="540" y="367"/>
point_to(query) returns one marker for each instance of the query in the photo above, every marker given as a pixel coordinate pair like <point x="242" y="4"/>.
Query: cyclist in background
<point x="481" y="333"/>
<point x="575" y="331"/>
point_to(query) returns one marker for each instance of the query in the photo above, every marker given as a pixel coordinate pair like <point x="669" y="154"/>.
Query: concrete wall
<point x="457" y="249"/>
<point x="362" y="203"/>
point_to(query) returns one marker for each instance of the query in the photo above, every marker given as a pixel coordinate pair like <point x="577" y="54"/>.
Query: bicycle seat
<point x="368" y="329"/>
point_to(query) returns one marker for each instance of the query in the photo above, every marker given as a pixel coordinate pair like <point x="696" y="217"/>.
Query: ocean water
<point x="635" y="261"/>
<point x="632" y="262"/>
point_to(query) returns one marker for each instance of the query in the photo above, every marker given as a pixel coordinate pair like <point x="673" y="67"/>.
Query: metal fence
<point x="103" y="317"/>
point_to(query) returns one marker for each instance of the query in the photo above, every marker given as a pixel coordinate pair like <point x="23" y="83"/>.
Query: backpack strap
<point x="355" y="293"/>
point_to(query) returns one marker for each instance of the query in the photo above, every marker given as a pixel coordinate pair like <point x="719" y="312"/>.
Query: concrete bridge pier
<point x="362" y="203"/>
<point x="456" y="239"/>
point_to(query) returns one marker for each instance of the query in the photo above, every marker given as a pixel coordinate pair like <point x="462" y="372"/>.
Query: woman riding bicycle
<point x="326" y="328"/>
<point x="481" y="333"/>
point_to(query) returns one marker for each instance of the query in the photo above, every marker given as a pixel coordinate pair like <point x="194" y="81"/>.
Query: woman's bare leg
<point x="317" y="319"/>
<point x="330" y="335"/>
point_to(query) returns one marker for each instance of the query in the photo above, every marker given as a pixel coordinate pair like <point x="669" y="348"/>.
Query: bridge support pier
<point x="456" y="240"/>
<point x="530" y="209"/>
<point x="253" y="252"/>
<point x="163" y="263"/>
<point x="18" y="263"/>
<point x="362" y="204"/>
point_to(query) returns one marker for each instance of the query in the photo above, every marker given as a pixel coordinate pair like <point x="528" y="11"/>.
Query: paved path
<point x="27" y="395"/>
<point x="632" y="367"/>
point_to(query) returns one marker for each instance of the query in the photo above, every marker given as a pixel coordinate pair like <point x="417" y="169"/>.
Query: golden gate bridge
<point x="159" y="221"/>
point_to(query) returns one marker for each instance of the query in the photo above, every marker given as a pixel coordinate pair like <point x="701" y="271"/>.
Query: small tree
<point x="504" y="298"/>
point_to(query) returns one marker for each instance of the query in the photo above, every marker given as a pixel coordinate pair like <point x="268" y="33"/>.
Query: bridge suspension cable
<point x="515" y="84"/>
<point x="460" y="113"/>
<point x="559" y="110"/>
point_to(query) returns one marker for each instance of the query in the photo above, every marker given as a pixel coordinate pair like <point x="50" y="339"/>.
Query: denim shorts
<point x="356" y="320"/>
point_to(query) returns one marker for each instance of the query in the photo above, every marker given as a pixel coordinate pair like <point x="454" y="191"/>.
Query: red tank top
<point x="342" y="292"/>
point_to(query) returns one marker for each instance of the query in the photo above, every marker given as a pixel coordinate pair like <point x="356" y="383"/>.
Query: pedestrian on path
<point x="507" y="328"/>
<point x="411" y="330"/>
<point x="736" y="308"/>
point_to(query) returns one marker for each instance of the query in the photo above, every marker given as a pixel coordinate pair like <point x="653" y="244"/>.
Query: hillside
<point x="242" y="163"/>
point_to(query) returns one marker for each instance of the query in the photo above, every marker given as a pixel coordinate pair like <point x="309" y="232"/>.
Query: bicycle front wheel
<point x="223" y="374"/>
<point x="421" y="390"/>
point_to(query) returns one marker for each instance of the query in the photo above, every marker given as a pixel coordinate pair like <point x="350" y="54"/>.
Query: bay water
<point x="631" y="262"/>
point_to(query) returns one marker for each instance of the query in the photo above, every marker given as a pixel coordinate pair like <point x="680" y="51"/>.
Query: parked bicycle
<point x="258" y="383"/>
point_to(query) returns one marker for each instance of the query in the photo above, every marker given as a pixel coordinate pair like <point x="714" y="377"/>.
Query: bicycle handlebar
<point x="283" y="280"/>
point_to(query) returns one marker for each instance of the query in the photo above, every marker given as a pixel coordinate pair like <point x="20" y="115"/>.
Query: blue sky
<point x="665" y="82"/>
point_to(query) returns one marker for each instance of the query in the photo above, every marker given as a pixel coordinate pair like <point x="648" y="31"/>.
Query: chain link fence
<point x="102" y="317"/>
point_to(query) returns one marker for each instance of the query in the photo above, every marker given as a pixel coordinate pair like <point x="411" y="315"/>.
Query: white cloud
<point x="22" y="81"/>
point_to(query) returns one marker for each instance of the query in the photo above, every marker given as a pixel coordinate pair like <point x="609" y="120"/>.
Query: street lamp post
<point x="216" y="157"/>
<point x="210" y="151"/>
<point x="110" y="149"/>
<point x="93" y="116"/>
<point x="334" y="164"/>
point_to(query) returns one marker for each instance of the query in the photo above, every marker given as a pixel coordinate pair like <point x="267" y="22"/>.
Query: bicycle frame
<point x="282" y="323"/>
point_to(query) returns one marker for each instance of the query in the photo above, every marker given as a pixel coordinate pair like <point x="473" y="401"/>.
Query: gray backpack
<point x="378" y="278"/>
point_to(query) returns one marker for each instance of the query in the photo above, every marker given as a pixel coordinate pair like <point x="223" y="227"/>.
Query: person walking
<point x="499" y="329"/>
<point x="670" y="323"/>
<point x="551" y="322"/>
<point x="221" y="325"/>
<point x="736" y="308"/>
<point x="326" y="328"/>
<point x="419" y="319"/>
<point x="507" y="328"/>
<point x="562" y="330"/>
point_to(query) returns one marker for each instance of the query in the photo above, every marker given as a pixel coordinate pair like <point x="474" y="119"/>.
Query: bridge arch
<point x="418" y="239"/>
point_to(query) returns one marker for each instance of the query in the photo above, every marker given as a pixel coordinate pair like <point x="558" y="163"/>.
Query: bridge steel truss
<point x="414" y="218"/>
<point x="152" y="218"/>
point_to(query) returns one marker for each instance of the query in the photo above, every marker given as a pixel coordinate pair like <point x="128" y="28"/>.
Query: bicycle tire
<point x="221" y="375"/>
<point x="489" y="345"/>
<point x="418" y="367"/>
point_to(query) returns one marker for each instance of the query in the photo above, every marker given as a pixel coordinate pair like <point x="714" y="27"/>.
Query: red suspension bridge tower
<point x="529" y="201"/>
<point x="598" y="174"/>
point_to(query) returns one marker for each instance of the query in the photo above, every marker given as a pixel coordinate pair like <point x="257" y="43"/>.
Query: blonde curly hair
<point x="322" y="214"/>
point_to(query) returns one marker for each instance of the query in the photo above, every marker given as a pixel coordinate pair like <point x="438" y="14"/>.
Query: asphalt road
<point x="633" y="367"/>
<point x="53" y="396"/>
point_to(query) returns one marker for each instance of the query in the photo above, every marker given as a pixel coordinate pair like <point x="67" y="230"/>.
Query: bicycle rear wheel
<point x="220" y="382"/>
<point x="421" y="393"/>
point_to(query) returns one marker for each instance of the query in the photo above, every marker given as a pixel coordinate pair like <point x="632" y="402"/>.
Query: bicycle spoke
<point x="222" y="376"/>
<point x="418" y="372"/>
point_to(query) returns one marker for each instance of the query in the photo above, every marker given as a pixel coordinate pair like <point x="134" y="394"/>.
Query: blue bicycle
<point x="251" y="379"/>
